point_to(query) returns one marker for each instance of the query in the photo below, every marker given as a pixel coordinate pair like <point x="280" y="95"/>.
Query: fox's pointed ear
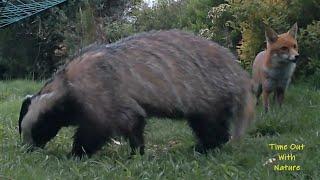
<point x="271" y="35"/>
<point x="294" y="30"/>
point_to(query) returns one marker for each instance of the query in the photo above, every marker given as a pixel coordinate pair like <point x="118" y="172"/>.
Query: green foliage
<point x="219" y="31"/>
<point x="188" y="14"/>
<point x="86" y="26"/>
<point x="159" y="18"/>
<point x="118" y="30"/>
<point x="309" y="46"/>
<point x="168" y="146"/>
<point x="47" y="40"/>
<point x="36" y="46"/>
<point x="24" y="48"/>
<point x="314" y="80"/>
<point x="304" y="11"/>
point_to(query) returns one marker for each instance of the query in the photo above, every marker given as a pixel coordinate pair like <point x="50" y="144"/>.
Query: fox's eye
<point x="284" y="48"/>
<point x="294" y="46"/>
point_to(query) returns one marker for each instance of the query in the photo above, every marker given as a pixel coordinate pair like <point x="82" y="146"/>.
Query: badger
<point x="109" y="90"/>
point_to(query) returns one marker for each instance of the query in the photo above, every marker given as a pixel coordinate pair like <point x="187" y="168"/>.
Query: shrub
<point x="190" y="15"/>
<point x="36" y="46"/>
<point x="309" y="49"/>
<point x="309" y="63"/>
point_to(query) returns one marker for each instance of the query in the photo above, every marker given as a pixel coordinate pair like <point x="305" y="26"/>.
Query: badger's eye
<point x="283" y="48"/>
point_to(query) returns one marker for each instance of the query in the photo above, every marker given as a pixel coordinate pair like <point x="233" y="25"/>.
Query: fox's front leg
<point x="280" y="95"/>
<point x="265" y="97"/>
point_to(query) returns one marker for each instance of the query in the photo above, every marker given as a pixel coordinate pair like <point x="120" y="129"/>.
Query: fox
<point x="273" y="68"/>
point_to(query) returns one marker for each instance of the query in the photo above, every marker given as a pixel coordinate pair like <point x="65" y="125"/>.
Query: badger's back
<point x="168" y="73"/>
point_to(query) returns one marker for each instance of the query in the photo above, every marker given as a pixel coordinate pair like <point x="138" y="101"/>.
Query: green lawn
<point x="169" y="153"/>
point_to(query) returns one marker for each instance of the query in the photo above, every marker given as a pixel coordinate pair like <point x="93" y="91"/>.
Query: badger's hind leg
<point x="88" y="139"/>
<point x="279" y="95"/>
<point x="211" y="131"/>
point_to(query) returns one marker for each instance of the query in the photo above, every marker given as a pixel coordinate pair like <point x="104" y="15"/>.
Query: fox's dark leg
<point x="280" y="95"/>
<point x="258" y="93"/>
<point x="265" y="95"/>
<point x="274" y="96"/>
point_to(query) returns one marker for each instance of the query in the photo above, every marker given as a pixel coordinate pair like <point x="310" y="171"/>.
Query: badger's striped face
<point x="24" y="109"/>
<point x="36" y="121"/>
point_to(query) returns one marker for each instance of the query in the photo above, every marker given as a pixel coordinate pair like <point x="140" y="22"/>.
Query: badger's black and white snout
<point x="37" y="120"/>
<point x="24" y="109"/>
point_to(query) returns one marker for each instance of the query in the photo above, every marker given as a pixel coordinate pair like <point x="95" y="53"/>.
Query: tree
<point x="38" y="45"/>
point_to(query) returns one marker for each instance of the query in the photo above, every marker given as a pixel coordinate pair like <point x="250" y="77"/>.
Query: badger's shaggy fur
<point x="109" y="90"/>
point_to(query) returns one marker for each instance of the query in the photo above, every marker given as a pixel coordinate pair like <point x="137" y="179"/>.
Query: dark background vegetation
<point x="35" y="47"/>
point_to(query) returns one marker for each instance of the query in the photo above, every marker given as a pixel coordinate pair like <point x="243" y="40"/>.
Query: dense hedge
<point x="37" y="46"/>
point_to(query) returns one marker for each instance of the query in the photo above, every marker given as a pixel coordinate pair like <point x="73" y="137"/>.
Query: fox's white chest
<point x="280" y="72"/>
<point x="281" y="69"/>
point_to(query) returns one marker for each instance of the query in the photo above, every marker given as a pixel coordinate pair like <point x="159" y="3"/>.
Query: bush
<point x="36" y="46"/>
<point x="190" y="15"/>
<point x="309" y="63"/>
<point x="309" y="49"/>
<point x="118" y="30"/>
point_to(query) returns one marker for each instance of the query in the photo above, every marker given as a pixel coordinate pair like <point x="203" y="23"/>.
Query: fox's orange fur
<point x="274" y="67"/>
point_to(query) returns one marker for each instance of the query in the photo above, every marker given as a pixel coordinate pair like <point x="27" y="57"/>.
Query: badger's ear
<point x="24" y="109"/>
<point x="294" y="30"/>
<point x="271" y="35"/>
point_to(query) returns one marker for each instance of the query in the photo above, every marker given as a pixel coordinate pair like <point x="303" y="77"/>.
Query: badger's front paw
<point x="200" y="148"/>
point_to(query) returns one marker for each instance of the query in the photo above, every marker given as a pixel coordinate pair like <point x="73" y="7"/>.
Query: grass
<point x="169" y="153"/>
